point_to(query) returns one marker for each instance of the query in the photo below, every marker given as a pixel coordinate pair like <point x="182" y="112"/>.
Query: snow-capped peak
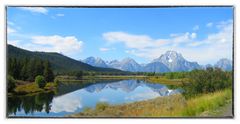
<point x="98" y="62"/>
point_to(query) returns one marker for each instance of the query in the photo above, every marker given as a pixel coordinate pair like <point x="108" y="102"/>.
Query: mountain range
<point x="170" y="61"/>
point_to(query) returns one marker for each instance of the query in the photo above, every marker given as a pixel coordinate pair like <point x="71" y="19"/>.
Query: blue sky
<point x="202" y="34"/>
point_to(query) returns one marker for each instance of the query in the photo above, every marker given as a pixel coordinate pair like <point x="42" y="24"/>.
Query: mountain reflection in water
<point x="72" y="98"/>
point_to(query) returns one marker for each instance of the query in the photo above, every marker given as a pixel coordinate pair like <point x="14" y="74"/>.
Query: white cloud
<point x="176" y="39"/>
<point x="35" y="9"/>
<point x="56" y="43"/>
<point x="213" y="47"/>
<point x="10" y="30"/>
<point x="145" y="41"/>
<point x="224" y="35"/>
<point x="68" y="45"/>
<point x="210" y="24"/>
<point x="65" y="104"/>
<point x="59" y="14"/>
<point x="193" y="35"/>
<point x="196" y="27"/>
<point x="131" y="40"/>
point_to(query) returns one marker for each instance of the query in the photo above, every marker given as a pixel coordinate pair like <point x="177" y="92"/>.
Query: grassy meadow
<point x="174" y="106"/>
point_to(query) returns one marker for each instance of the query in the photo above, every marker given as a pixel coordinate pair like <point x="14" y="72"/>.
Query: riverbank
<point x="100" y="77"/>
<point x="152" y="79"/>
<point x="24" y="87"/>
<point x="170" y="106"/>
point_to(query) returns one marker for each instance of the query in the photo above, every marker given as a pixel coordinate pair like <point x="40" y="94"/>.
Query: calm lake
<point x="74" y="97"/>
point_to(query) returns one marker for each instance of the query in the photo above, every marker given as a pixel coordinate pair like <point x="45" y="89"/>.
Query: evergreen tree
<point x="30" y="70"/>
<point x="48" y="73"/>
<point x="10" y="65"/>
<point x="39" y="67"/>
<point x="16" y="68"/>
<point x="23" y="73"/>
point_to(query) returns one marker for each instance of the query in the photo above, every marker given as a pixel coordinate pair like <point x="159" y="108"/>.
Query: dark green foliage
<point x="24" y="71"/>
<point x="48" y="74"/>
<point x="79" y="74"/>
<point x="14" y="67"/>
<point x="206" y="81"/>
<point x="150" y="73"/>
<point x="27" y="69"/>
<point x="40" y="81"/>
<point x="175" y="75"/>
<point x="11" y="83"/>
<point x="31" y="73"/>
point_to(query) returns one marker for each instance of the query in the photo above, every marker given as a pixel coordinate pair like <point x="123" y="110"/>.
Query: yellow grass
<point x="173" y="106"/>
<point x="33" y="88"/>
<point x="163" y="80"/>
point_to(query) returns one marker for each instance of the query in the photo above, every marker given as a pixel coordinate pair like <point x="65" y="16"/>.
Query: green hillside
<point x="59" y="62"/>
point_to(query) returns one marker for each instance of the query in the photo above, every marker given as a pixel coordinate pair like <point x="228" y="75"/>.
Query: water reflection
<point x="71" y="105"/>
<point x="72" y="98"/>
<point x="131" y="85"/>
<point x="30" y="103"/>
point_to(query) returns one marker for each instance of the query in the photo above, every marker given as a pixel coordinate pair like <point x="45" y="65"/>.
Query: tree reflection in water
<point x="30" y="103"/>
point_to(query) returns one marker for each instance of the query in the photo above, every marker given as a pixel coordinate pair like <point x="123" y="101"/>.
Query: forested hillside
<point x="59" y="62"/>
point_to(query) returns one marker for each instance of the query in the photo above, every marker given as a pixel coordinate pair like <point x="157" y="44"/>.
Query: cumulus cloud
<point x="143" y="45"/>
<point x="41" y="10"/>
<point x="57" y="43"/>
<point x="131" y="40"/>
<point x="67" y="45"/>
<point x="213" y="47"/>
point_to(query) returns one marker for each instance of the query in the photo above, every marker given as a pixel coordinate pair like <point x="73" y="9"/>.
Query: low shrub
<point x="40" y="81"/>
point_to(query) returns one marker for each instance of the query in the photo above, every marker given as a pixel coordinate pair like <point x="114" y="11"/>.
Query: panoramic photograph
<point x="119" y="62"/>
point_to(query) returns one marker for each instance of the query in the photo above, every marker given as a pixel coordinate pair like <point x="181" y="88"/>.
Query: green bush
<point x="40" y="81"/>
<point x="56" y="81"/>
<point x="207" y="81"/>
<point x="11" y="83"/>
